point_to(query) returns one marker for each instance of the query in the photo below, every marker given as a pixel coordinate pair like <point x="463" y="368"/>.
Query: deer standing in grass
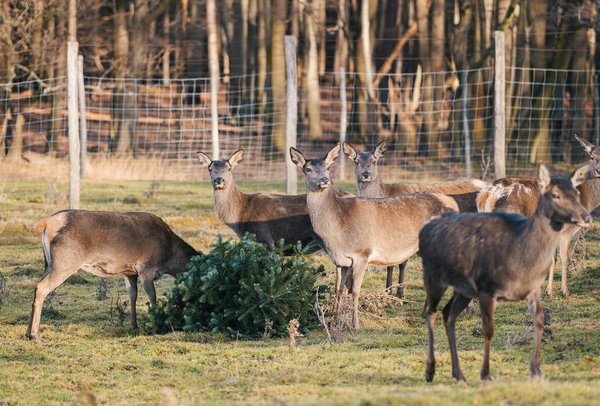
<point x="370" y="184"/>
<point x="133" y="244"/>
<point x="520" y="195"/>
<point x="271" y="217"/>
<point x="359" y="231"/>
<point x="496" y="257"/>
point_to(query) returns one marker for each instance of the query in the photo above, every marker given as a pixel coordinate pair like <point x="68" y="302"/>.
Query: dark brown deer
<point x="520" y="195"/>
<point x="133" y="244"/>
<point x="370" y="184"/>
<point x="357" y="231"/>
<point x="271" y="217"/>
<point x="496" y="257"/>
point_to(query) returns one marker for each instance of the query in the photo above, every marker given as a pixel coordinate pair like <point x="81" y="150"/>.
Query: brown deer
<point x="357" y="231"/>
<point x="133" y="244"/>
<point x="496" y="257"/>
<point x="520" y="195"/>
<point x="271" y="217"/>
<point x="370" y="184"/>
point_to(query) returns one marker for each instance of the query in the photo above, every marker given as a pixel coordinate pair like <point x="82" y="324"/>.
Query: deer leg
<point x="389" y="280"/>
<point x="487" y="305"/>
<point x="131" y="284"/>
<point x="535" y="306"/>
<point x="565" y="241"/>
<point x="401" y="277"/>
<point x="551" y="274"/>
<point x="434" y="295"/>
<point x="53" y="278"/>
<point x="148" y="285"/>
<point x="359" y="268"/>
<point x="455" y="306"/>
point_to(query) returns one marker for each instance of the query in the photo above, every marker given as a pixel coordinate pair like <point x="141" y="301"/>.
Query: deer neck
<point x="230" y="204"/>
<point x="541" y="234"/>
<point x="590" y="194"/>
<point x="325" y="212"/>
<point x="374" y="188"/>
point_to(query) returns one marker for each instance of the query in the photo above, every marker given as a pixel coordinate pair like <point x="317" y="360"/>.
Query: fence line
<point x="168" y="124"/>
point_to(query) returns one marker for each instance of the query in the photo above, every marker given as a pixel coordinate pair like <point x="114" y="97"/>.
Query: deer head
<point x="593" y="152"/>
<point x="220" y="170"/>
<point x="365" y="163"/>
<point x="316" y="171"/>
<point x="560" y="198"/>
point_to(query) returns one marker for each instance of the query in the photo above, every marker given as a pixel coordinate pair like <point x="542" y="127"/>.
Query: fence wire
<point x="151" y="130"/>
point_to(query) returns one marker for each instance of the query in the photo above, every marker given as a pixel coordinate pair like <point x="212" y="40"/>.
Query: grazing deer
<point x="520" y="195"/>
<point x="271" y="217"/>
<point x="370" y="184"/>
<point x="133" y="244"/>
<point x="357" y="231"/>
<point x="496" y="257"/>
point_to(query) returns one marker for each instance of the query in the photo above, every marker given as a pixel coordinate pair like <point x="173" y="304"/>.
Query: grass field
<point x="86" y="356"/>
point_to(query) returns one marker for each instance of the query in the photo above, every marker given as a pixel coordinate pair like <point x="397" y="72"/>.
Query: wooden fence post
<point x="82" y="111"/>
<point x="343" y="121"/>
<point x="465" y="119"/>
<point x="291" y="116"/>
<point x="499" y="106"/>
<point x="73" y="124"/>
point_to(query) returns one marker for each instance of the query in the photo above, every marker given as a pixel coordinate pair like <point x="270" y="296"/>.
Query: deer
<point x="370" y="184"/>
<point x="520" y="195"/>
<point x="496" y="257"/>
<point x="271" y="217"/>
<point x="358" y="231"/>
<point x="133" y="244"/>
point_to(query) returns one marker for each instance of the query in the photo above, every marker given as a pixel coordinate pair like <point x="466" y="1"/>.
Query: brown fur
<point x="357" y="231"/>
<point x="494" y="257"/>
<point x="133" y="244"/>
<point x="521" y="195"/>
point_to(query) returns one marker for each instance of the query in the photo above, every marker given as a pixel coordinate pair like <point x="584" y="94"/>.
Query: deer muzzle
<point x="218" y="183"/>
<point x="324" y="183"/>
<point x="365" y="176"/>
<point x="584" y="221"/>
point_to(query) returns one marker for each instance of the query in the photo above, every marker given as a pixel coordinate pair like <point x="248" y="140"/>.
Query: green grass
<point x="83" y="353"/>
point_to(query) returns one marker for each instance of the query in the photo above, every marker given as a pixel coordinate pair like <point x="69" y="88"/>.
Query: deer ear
<point x="332" y="155"/>
<point x="236" y="158"/>
<point x="581" y="174"/>
<point x="380" y="149"/>
<point x="204" y="159"/>
<point x="349" y="150"/>
<point x="587" y="146"/>
<point x="543" y="177"/>
<point x="297" y="157"/>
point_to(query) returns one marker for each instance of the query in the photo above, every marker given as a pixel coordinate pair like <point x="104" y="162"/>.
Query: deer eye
<point x="555" y="196"/>
<point x="308" y="170"/>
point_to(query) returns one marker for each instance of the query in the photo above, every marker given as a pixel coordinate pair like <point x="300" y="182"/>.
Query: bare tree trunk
<point x="581" y="112"/>
<point x="36" y="36"/>
<point x="341" y="49"/>
<point x="536" y="128"/>
<point x="262" y="57"/>
<point x="278" y="25"/>
<point x="311" y="86"/>
<point x="56" y="24"/>
<point x="425" y="59"/>
<point x="120" y="132"/>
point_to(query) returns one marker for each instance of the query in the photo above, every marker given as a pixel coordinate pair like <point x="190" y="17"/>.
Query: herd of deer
<point x="491" y="242"/>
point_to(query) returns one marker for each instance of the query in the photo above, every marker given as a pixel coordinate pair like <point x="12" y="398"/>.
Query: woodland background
<point x="407" y="65"/>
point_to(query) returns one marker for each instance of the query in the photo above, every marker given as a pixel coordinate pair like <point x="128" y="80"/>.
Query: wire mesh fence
<point x="149" y="130"/>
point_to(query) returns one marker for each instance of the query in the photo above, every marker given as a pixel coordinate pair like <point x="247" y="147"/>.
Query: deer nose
<point x="365" y="175"/>
<point x="324" y="182"/>
<point x="218" y="183"/>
